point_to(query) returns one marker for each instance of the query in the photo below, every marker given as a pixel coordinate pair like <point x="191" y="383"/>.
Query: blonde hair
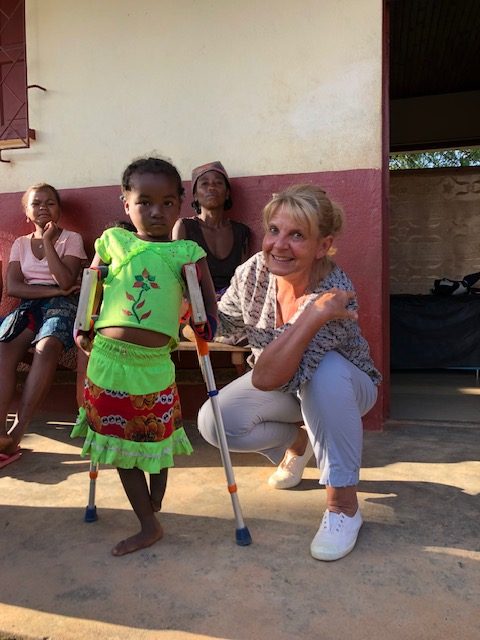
<point x="309" y="206"/>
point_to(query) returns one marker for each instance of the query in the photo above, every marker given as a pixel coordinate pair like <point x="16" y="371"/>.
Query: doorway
<point x="434" y="96"/>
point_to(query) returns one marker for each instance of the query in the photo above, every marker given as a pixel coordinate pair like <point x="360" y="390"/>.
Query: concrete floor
<point x="440" y="396"/>
<point x="413" y="575"/>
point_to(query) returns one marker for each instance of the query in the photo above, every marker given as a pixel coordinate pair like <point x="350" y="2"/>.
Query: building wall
<point x="280" y="91"/>
<point x="434" y="227"/>
<point x="269" y="86"/>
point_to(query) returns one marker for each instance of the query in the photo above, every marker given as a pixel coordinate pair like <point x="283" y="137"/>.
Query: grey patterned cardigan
<point x="249" y="306"/>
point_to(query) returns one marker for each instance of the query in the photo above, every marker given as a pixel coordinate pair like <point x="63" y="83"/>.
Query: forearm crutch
<point x="91" y="509"/>
<point x="87" y="302"/>
<point x="199" y="317"/>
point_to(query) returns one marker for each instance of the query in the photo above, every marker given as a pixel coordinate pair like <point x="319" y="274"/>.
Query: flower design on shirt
<point x="144" y="282"/>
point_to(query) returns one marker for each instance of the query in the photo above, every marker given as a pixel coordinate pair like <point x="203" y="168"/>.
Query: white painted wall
<point x="267" y="86"/>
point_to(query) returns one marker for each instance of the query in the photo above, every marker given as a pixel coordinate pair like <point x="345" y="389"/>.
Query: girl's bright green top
<point x="144" y="285"/>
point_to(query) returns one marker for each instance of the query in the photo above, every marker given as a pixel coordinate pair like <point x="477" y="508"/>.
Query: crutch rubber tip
<point x="243" y="537"/>
<point x="91" y="514"/>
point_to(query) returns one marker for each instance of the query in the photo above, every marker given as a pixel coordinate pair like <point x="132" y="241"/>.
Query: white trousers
<point x="330" y="405"/>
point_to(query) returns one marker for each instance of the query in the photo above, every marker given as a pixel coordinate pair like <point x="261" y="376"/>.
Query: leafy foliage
<point x="435" y="159"/>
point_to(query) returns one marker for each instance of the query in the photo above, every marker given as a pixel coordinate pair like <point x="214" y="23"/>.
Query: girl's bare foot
<point x="141" y="540"/>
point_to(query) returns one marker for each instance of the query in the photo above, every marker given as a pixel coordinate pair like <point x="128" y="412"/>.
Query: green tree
<point x="435" y="159"/>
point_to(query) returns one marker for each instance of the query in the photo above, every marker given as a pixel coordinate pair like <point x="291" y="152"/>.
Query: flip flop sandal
<point x="6" y="459"/>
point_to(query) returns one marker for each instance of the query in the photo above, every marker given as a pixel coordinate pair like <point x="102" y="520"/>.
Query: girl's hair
<point x="309" y="206"/>
<point x="40" y="186"/>
<point x="151" y="165"/>
<point x="122" y="224"/>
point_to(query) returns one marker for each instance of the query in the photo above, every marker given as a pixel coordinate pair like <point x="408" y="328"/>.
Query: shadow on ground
<point x="414" y="573"/>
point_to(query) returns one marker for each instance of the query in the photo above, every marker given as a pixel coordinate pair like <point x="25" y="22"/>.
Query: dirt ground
<point x="413" y="575"/>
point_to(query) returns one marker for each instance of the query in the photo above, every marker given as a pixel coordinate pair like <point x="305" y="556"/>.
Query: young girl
<point x="131" y="407"/>
<point x="43" y="272"/>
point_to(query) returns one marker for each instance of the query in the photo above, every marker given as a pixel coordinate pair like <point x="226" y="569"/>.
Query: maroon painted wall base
<point x="89" y="210"/>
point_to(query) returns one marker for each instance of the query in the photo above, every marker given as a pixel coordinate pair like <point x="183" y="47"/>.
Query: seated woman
<point x="313" y="377"/>
<point x="225" y="241"/>
<point x="43" y="272"/>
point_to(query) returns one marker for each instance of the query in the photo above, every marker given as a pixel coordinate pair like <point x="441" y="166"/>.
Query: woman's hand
<point x="18" y="288"/>
<point x="280" y="359"/>
<point x="75" y="288"/>
<point x="50" y="231"/>
<point x="64" y="270"/>
<point x="333" y="305"/>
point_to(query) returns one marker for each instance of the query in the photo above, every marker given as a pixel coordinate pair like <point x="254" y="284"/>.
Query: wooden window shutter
<point x="14" y="130"/>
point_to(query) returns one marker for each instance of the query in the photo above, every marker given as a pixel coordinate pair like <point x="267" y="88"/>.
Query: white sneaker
<point x="336" y="536"/>
<point x="289" y="475"/>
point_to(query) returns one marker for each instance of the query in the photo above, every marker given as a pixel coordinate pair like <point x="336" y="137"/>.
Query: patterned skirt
<point x="126" y="429"/>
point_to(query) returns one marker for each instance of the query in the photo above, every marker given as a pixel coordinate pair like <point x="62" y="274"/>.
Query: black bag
<point x="16" y="321"/>
<point x="447" y="287"/>
<point x="13" y="324"/>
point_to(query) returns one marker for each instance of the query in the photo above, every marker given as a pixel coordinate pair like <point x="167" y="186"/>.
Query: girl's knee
<point x="50" y="347"/>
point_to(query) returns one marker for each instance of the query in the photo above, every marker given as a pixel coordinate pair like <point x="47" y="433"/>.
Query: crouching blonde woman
<point x="312" y="378"/>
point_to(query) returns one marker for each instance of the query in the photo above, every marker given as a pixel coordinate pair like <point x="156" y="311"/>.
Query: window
<point x="14" y="131"/>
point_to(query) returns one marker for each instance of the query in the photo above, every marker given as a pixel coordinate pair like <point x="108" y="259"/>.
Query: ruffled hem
<point x="128" y="454"/>
<point x="80" y="428"/>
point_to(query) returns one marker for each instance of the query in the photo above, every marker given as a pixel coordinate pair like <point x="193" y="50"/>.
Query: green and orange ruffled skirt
<point x="126" y="429"/>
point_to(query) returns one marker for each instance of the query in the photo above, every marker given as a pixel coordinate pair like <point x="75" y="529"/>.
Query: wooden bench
<point x="69" y="374"/>
<point x="237" y="354"/>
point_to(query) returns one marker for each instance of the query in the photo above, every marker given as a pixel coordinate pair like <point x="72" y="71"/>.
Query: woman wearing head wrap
<point x="225" y="241"/>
